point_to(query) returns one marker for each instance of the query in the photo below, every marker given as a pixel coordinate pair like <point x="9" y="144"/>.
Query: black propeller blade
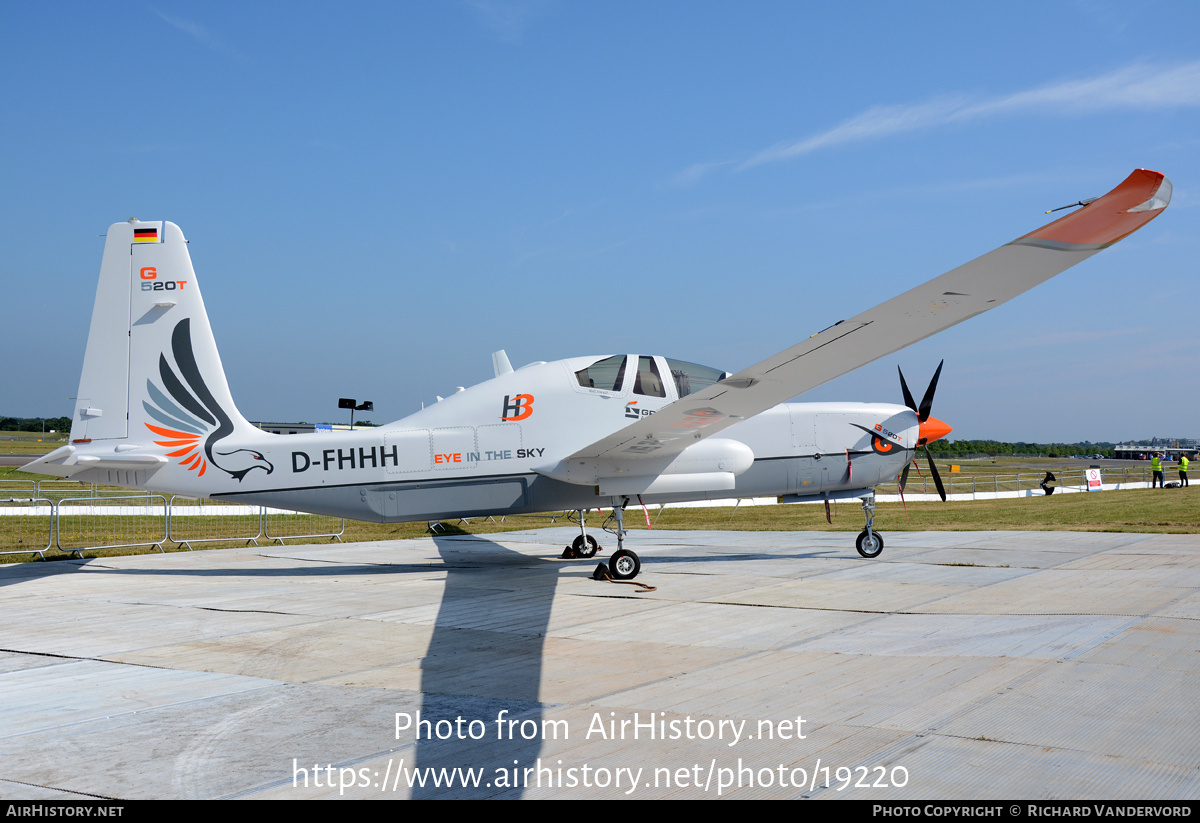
<point x="923" y="411"/>
<point x="937" y="478"/>
<point x="926" y="406"/>
<point x="908" y="398"/>
<point x="927" y="400"/>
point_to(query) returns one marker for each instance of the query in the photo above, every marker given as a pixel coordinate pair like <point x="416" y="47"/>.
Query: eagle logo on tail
<point x="193" y="423"/>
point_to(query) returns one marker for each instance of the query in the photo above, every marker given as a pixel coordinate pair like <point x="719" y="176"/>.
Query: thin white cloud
<point x="1133" y="87"/>
<point x="1112" y="18"/>
<point x="1074" y="338"/>
<point x="695" y="173"/>
<point x="507" y="19"/>
<point x="196" y="31"/>
<point x="877" y="121"/>
<point x="153" y="148"/>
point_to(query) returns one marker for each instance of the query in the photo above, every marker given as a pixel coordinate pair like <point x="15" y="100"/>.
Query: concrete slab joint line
<point x="1055" y="665"/>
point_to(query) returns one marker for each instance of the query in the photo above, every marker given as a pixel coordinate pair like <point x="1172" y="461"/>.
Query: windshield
<point x="604" y="374"/>
<point x="608" y="374"/>
<point x="692" y="377"/>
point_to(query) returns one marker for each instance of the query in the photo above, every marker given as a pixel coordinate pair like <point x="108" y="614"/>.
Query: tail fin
<point x="152" y="378"/>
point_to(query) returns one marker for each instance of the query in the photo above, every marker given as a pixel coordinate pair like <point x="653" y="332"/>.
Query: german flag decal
<point x="145" y="235"/>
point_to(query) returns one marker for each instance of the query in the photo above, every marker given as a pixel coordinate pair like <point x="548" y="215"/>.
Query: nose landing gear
<point x="870" y="542"/>
<point x="584" y="545"/>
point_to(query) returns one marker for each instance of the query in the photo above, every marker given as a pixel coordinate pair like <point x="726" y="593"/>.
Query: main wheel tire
<point x="585" y="547"/>
<point x="869" y="545"/>
<point x="624" y="565"/>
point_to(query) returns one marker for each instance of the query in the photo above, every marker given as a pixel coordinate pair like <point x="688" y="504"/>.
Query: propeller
<point x="930" y="427"/>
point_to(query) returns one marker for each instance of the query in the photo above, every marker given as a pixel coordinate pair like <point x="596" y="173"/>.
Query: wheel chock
<point x="601" y="572"/>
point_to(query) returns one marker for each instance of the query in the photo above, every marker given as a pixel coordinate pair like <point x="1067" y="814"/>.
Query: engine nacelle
<point x="710" y="464"/>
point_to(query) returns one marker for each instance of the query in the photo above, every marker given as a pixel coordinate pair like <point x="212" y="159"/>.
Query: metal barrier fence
<point x="56" y="489"/>
<point x="439" y="526"/>
<point x="38" y="515"/>
<point x="26" y="525"/>
<point x="279" y="525"/>
<point x="18" y="488"/>
<point x="200" y="520"/>
<point x="974" y="485"/>
<point x="115" y="522"/>
<point x="30" y="524"/>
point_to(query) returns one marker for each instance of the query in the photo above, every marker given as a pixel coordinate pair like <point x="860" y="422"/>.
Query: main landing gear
<point x="870" y="542"/>
<point x="624" y="564"/>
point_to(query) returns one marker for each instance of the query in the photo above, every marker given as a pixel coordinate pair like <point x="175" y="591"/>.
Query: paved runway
<point x="17" y="459"/>
<point x="959" y="665"/>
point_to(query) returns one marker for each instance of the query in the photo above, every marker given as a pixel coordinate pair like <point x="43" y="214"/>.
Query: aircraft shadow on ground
<point x="484" y="655"/>
<point x="477" y="673"/>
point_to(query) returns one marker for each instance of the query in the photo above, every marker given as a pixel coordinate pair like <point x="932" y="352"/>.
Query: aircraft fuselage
<point x="486" y="450"/>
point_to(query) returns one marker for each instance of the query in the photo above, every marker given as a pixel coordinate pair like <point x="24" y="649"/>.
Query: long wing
<point x="969" y="290"/>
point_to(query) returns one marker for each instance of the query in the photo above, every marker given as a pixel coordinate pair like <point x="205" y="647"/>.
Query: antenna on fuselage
<point x="500" y="363"/>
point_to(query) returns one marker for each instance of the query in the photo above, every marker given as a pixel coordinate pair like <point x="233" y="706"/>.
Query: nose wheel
<point x="870" y="542"/>
<point x="585" y="546"/>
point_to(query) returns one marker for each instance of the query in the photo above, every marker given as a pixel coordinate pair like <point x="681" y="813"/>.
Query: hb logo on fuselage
<point x="517" y="408"/>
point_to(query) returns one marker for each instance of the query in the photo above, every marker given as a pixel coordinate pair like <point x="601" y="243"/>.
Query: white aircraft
<point x="154" y="409"/>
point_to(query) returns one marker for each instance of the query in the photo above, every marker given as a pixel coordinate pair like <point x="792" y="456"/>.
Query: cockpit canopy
<point x="609" y="374"/>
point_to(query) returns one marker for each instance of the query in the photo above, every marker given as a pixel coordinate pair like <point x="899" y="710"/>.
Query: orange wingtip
<point x="1104" y="221"/>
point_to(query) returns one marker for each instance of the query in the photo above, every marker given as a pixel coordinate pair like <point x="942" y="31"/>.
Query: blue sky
<point x="379" y="195"/>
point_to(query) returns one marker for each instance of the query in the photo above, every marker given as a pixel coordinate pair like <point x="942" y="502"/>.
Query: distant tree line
<point x="992" y="448"/>
<point x="63" y="424"/>
<point x="34" y="424"/>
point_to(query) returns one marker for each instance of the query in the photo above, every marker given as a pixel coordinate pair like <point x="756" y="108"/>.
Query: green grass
<point x="30" y="443"/>
<point x="1175" y="511"/>
<point x="1172" y="511"/>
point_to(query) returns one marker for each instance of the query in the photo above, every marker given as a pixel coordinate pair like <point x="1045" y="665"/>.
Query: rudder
<point x="151" y="370"/>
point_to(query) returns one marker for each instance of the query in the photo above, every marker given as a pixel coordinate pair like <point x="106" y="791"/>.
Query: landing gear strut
<point x="624" y="564"/>
<point x="870" y="542"/>
<point x="585" y="545"/>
